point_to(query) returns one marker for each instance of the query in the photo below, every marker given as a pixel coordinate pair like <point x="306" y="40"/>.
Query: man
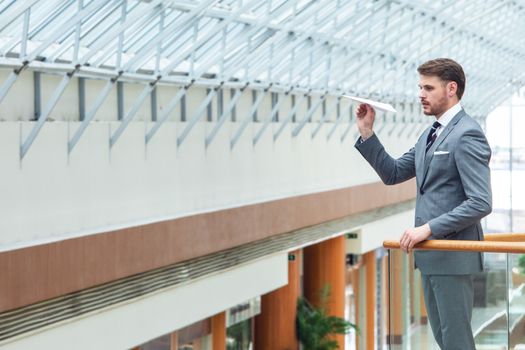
<point x="451" y="164"/>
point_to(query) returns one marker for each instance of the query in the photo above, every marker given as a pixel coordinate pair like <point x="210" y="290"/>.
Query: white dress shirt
<point x="447" y="117"/>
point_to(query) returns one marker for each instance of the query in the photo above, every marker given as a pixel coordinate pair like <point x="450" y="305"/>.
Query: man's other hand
<point x="413" y="236"/>
<point x="365" y="120"/>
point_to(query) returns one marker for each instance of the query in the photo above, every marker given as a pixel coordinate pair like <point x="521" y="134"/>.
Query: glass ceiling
<point x="368" y="48"/>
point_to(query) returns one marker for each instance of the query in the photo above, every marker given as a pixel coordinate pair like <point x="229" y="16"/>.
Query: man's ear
<point x="452" y="88"/>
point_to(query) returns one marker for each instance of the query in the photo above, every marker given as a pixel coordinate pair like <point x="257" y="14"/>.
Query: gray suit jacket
<point x="453" y="188"/>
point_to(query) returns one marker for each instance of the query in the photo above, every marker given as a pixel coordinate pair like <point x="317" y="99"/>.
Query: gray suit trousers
<point x="449" y="300"/>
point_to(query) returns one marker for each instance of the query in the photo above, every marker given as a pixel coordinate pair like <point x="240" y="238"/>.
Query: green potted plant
<point x="314" y="326"/>
<point x="521" y="264"/>
<point x="518" y="273"/>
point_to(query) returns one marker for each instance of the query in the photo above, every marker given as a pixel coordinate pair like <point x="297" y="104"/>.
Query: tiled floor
<point x="488" y="323"/>
<point x="419" y="338"/>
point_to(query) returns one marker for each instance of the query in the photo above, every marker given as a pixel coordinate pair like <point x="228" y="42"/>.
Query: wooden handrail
<point x="492" y="244"/>
<point x="505" y="237"/>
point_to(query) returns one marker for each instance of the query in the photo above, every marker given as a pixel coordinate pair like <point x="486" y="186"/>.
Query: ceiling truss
<point x="301" y="47"/>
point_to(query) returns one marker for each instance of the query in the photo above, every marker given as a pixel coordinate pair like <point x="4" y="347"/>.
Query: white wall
<point x="51" y="195"/>
<point x="371" y="235"/>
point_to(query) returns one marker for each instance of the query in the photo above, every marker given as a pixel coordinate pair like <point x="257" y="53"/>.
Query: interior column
<point x="370" y="265"/>
<point x="218" y="331"/>
<point x="275" y="325"/>
<point x="324" y="267"/>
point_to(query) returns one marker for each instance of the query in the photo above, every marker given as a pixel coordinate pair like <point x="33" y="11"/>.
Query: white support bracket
<point x="268" y="120"/>
<point x="307" y="117"/>
<point x="196" y="116"/>
<point x="247" y="119"/>
<point x="26" y="144"/>
<point x="227" y="112"/>
<point x="324" y="117"/>
<point x="289" y="117"/>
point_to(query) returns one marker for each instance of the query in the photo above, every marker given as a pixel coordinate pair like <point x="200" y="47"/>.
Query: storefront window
<point x="239" y="336"/>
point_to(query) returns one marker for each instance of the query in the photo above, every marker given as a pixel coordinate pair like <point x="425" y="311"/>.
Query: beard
<point x="434" y="109"/>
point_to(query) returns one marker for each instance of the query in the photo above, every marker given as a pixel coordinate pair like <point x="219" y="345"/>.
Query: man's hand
<point x="365" y="120"/>
<point x="413" y="236"/>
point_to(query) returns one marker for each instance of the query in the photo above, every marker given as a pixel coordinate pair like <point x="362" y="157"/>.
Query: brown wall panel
<point x="42" y="272"/>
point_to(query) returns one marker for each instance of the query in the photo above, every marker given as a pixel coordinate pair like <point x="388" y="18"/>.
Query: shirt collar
<point x="449" y="114"/>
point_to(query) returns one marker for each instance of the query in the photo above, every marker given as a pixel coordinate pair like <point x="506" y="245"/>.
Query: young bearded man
<point x="450" y="161"/>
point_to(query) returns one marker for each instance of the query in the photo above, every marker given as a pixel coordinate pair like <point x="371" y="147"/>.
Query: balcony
<point x="498" y="318"/>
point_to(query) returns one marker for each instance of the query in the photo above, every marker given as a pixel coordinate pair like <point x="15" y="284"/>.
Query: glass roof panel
<point x="303" y="42"/>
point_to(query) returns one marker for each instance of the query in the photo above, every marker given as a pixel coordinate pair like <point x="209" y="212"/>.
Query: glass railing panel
<point x="490" y="313"/>
<point x="516" y="288"/>
<point x="491" y="325"/>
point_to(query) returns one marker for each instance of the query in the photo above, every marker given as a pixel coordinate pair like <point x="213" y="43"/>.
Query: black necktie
<point x="432" y="135"/>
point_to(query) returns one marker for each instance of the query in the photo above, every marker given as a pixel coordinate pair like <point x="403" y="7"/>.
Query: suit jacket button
<point x="421" y="191"/>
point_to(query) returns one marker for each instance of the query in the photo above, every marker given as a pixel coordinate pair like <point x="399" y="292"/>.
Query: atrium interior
<point x="182" y="174"/>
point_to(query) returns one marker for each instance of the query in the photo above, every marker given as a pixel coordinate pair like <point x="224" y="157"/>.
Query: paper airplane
<point x="378" y="105"/>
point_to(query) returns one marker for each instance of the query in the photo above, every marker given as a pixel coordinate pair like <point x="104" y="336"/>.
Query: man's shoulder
<point x="468" y="124"/>
<point x="469" y="132"/>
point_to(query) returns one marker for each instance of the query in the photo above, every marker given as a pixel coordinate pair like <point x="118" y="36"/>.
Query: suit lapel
<point x="430" y="154"/>
<point x="420" y="161"/>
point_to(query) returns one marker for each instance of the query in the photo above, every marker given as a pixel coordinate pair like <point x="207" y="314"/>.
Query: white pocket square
<point x="440" y="152"/>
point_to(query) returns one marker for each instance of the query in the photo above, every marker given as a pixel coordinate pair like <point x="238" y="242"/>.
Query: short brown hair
<point x="447" y="70"/>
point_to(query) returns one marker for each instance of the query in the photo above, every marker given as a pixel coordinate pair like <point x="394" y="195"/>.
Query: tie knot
<point x="436" y="125"/>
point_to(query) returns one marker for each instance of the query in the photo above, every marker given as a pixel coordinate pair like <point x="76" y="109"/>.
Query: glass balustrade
<point x="498" y="318"/>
